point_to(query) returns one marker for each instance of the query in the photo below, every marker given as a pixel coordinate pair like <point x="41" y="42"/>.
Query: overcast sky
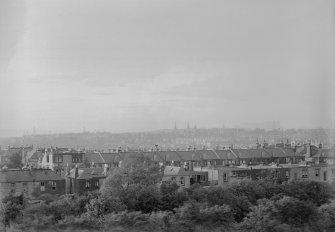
<point x="144" y="64"/>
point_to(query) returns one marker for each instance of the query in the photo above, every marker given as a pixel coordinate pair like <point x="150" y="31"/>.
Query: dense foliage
<point x="15" y="161"/>
<point x="131" y="200"/>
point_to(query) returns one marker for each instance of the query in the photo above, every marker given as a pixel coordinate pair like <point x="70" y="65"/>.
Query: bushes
<point x="11" y="209"/>
<point x="246" y="206"/>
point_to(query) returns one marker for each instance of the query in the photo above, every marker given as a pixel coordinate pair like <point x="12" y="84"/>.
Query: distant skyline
<point x="142" y="65"/>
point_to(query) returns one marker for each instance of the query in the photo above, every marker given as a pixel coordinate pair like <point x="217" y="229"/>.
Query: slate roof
<point x="171" y="156"/>
<point x="12" y="176"/>
<point x="250" y="153"/>
<point x="88" y="173"/>
<point x="37" y="154"/>
<point x="111" y="157"/>
<point x="290" y="152"/>
<point x="178" y="171"/>
<point x="207" y="154"/>
<point x="94" y="157"/>
<point x="189" y="155"/>
<point x="225" y="154"/>
<point x="276" y="152"/>
<point x="155" y="156"/>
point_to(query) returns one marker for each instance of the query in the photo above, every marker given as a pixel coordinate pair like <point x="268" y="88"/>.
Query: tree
<point x="314" y="191"/>
<point x="294" y="212"/>
<point x="11" y="208"/>
<point x="135" y="183"/>
<point x="15" y="161"/>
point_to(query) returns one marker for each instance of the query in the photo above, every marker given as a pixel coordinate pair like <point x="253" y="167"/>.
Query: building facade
<point x="32" y="183"/>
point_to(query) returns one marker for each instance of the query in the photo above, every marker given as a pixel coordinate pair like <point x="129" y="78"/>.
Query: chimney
<point x="308" y="147"/>
<point x="265" y="144"/>
<point x="320" y="145"/>
<point x="76" y="173"/>
<point x="191" y="165"/>
<point x="67" y="169"/>
<point x="106" y="169"/>
<point x="258" y="145"/>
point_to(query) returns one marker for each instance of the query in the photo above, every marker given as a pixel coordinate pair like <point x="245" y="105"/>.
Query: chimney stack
<point x="106" y="169"/>
<point x="76" y="173"/>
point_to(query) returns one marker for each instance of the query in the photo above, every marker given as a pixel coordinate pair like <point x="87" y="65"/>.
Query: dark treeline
<point x="133" y="199"/>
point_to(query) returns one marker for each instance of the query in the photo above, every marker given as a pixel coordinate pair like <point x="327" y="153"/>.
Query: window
<point x="317" y="172"/>
<point x="97" y="184"/>
<point x="225" y="177"/>
<point x="88" y="184"/>
<point x="47" y="158"/>
<point x="325" y="175"/>
<point x="304" y="173"/>
<point x="24" y="185"/>
<point x="76" y="158"/>
<point x="42" y="187"/>
<point x="234" y="173"/>
<point x="182" y="180"/>
<point x="58" y="158"/>
<point x="173" y="178"/>
<point x="12" y="185"/>
<point x="287" y="174"/>
<point x="53" y="185"/>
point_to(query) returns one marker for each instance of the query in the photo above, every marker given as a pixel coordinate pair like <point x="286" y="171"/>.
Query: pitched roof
<point x="154" y="156"/>
<point x="88" y="173"/>
<point x="178" y="171"/>
<point x="111" y="157"/>
<point x="191" y="155"/>
<point x="250" y="153"/>
<point x="225" y="154"/>
<point x="94" y="157"/>
<point x="12" y="176"/>
<point x="171" y="156"/>
<point x="290" y="152"/>
<point x="276" y="152"/>
<point x="207" y="154"/>
<point x="36" y="155"/>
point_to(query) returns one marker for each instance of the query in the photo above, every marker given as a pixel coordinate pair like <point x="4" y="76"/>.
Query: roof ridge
<point x="215" y="153"/>
<point x="179" y="156"/>
<point x="231" y="150"/>
<point x="101" y="157"/>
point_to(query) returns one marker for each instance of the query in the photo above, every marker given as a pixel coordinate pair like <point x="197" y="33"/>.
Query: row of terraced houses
<point x="57" y="171"/>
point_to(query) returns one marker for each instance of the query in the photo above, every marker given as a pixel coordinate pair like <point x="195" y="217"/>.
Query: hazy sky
<point x="143" y="64"/>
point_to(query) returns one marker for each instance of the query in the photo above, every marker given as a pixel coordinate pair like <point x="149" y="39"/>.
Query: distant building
<point x="58" y="159"/>
<point x="184" y="178"/>
<point x="285" y="172"/>
<point x="32" y="183"/>
<point x="81" y="180"/>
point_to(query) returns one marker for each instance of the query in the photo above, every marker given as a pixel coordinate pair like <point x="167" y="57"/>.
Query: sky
<point x="138" y="65"/>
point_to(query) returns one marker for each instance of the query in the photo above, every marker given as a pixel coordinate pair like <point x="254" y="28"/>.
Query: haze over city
<point x="144" y="65"/>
